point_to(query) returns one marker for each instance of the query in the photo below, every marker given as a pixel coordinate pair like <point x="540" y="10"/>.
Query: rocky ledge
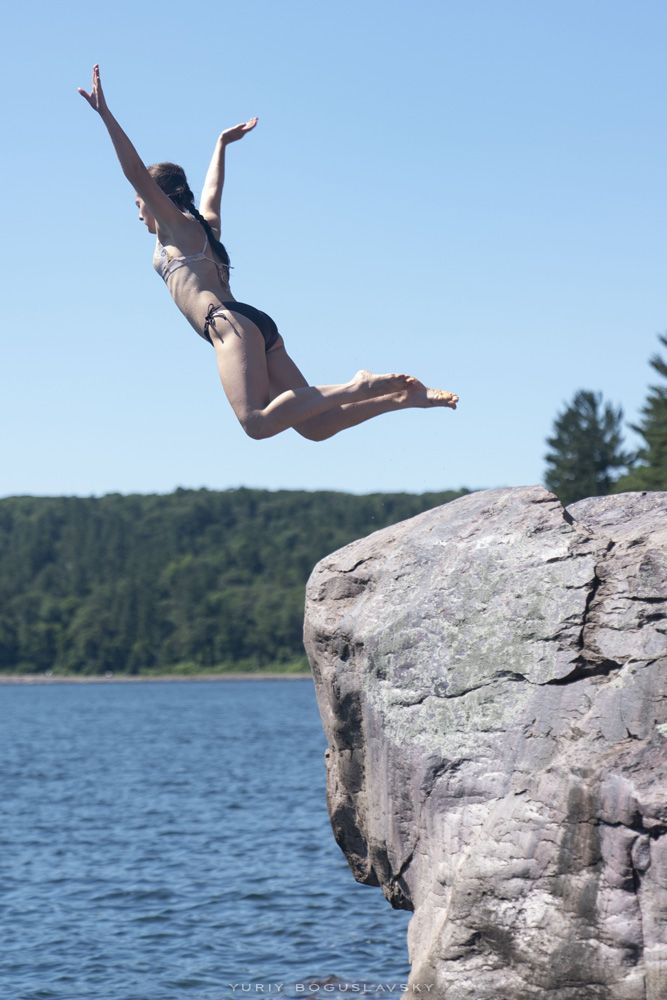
<point x="492" y="680"/>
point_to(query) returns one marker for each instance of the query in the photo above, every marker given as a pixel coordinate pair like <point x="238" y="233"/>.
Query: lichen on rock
<point x="492" y="680"/>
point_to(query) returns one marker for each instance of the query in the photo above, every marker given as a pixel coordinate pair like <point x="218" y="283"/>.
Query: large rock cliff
<point x="492" y="679"/>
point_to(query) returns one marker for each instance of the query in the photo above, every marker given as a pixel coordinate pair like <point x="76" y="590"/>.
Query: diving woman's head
<point x="145" y="215"/>
<point x="171" y="179"/>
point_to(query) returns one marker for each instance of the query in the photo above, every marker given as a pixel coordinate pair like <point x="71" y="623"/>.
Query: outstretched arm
<point x="164" y="210"/>
<point x="211" y="195"/>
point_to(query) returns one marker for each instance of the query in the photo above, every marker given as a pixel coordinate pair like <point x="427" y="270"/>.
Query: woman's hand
<point x="232" y="134"/>
<point x="96" y="97"/>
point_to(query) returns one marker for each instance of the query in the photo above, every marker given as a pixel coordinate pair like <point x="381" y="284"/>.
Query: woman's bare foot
<point x="382" y="385"/>
<point x="419" y="395"/>
<point x="406" y="390"/>
<point x="440" y="397"/>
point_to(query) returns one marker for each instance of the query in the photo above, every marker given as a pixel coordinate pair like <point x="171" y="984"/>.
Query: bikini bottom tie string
<point x="210" y="320"/>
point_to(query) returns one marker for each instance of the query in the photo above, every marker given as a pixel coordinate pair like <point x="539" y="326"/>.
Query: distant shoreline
<point x="143" y="679"/>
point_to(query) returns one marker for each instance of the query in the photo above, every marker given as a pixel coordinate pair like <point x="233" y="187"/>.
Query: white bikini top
<point x="166" y="265"/>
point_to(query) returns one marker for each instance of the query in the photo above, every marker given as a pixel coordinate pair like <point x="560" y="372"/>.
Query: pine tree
<point x="586" y="448"/>
<point x="651" y="472"/>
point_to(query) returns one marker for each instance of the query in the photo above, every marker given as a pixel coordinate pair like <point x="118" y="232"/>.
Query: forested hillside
<point x="195" y="580"/>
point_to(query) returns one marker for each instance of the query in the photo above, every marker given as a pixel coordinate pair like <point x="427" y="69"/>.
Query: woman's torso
<point x="192" y="272"/>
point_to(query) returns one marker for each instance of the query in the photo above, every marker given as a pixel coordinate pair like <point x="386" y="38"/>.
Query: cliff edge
<point x="492" y="680"/>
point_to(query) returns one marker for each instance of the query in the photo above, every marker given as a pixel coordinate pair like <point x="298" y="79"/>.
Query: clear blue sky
<point x="472" y="192"/>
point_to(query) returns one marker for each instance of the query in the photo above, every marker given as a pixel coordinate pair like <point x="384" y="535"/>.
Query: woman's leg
<point x="243" y="367"/>
<point x="284" y="374"/>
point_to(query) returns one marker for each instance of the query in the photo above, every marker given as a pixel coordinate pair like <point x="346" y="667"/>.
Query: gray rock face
<point x="492" y="679"/>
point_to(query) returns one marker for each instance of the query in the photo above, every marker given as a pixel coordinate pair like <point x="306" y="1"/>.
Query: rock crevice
<point x="492" y="679"/>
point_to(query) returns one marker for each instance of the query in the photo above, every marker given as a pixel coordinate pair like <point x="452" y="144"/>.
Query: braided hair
<point x="172" y="180"/>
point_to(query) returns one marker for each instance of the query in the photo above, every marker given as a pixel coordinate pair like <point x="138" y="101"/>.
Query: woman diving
<point x="267" y="391"/>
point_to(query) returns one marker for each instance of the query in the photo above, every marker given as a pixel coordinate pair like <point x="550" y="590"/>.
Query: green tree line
<point x="192" y="581"/>
<point x="586" y="456"/>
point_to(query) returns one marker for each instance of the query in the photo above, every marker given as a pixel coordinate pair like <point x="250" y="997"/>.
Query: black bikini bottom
<point x="265" y="324"/>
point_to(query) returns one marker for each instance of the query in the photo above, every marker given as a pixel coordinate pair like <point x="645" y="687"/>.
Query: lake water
<point x="170" y="840"/>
